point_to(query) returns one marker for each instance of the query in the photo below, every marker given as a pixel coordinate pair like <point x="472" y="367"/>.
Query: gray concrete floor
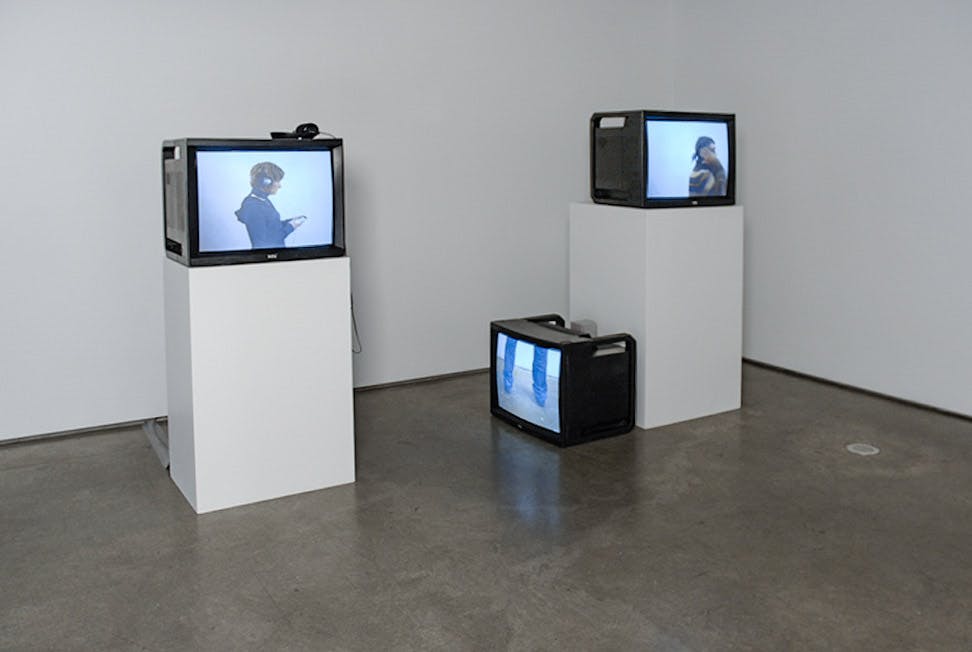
<point x="750" y="530"/>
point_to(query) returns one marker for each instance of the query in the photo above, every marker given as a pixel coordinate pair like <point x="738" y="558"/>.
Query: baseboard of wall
<point x="853" y="388"/>
<point x="424" y="379"/>
<point x="473" y="372"/>
<point x="73" y="433"/>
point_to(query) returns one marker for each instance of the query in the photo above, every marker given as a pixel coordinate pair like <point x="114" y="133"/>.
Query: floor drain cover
<point x="863" y="449"/>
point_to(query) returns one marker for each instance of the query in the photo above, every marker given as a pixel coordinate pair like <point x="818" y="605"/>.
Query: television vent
<point x="175" y="200"/>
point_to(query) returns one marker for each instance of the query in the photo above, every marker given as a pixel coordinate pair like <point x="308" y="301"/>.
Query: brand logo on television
<point x="271" y="256"/>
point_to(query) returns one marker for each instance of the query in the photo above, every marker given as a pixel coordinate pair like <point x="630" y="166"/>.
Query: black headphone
<point x="305" y="131"/>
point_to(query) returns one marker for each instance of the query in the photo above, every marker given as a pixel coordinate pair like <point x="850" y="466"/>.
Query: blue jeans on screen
<point x="539" y="370"/>
<point x="540" y="375"/>
<point x="508" y="360"/>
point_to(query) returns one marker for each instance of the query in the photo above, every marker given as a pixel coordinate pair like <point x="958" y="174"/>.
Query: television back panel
<point x="599" y="396"/>
<point x="618" y="158"/>
<point x="175" y="201"/>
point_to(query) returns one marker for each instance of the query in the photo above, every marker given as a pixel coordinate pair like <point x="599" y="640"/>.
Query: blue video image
<point x="528" y="381"/>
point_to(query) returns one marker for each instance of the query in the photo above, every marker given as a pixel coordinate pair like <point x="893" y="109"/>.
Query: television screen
<point x="528" y="381"/>
<point x="686" y="158"/>
<point x="264" y="199"/>
<point x="243" y="201"/>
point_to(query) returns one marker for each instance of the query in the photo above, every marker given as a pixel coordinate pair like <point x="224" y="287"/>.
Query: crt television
<point x="559" y="384"/>
<point x="247" y="201"/>
<point x="659" y="159"/>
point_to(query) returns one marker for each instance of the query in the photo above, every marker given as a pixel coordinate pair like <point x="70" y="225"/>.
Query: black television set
<point x="559" y="384"/>
<point x="245" y="201"/>
<point x="663" y="159"/>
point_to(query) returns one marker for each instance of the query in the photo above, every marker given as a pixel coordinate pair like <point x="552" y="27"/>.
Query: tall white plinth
<point x="672" y="278"/>
<point x="259" y="380"/>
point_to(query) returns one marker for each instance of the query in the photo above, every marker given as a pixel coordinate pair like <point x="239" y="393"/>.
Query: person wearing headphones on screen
<point x="708" y="177"/>
<point x="262" y="221"/>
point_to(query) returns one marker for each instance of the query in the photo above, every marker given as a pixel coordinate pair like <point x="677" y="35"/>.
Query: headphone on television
<point x="305" y="131"/>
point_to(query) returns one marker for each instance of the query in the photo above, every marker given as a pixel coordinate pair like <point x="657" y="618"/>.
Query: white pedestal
<point x="259" y="380"/>
<point x="672" y="278"/>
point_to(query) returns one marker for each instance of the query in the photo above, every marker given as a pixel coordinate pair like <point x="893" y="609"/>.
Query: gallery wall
<point x="853" y="129"/>
<point x="466" y="134"/>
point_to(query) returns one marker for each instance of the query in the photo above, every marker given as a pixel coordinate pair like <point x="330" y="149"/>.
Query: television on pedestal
<point x="249" y="201"/>
<point x="258" y="356"/>
<point x="663" y="159"/>
<point x="559" y="384"/>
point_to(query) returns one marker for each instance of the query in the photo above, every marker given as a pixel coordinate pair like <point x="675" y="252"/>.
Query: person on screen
<point x="262" y="221"/>
<point x="708" y="178"/>
<point x="539" y="370"/>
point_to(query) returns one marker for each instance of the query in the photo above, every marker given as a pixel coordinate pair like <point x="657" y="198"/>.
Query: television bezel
<point x="194" y="257"/>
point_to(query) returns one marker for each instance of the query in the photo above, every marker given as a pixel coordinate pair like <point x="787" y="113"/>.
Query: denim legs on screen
<point x="540" y="375"/>
<point x="508" y="363"/>
<point x="539" y="370"/>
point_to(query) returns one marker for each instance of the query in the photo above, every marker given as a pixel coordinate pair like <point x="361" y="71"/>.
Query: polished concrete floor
<point x="750" y="530"/>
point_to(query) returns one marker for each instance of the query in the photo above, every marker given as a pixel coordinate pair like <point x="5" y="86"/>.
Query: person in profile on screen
<point x="708" y="178"/>
<point x="539" y="370"/>
<point x="262" y="221"/>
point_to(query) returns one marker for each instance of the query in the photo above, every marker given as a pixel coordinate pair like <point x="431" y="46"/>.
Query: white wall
<point x="853" y="128"/>
<point x="466" y="134"/>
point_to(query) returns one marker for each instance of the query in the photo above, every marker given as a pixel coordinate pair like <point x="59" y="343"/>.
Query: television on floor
<point x="246" y="201"/>
<point x="559" y="384"/>
<point x="663" y="159"/>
